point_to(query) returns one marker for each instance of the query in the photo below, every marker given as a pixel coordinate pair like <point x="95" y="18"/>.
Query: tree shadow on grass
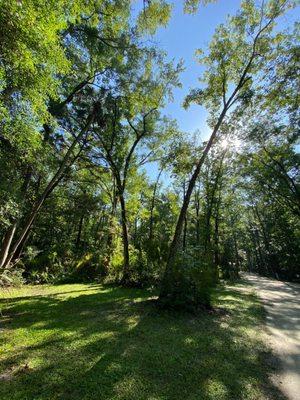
<point x="116" y="344"/>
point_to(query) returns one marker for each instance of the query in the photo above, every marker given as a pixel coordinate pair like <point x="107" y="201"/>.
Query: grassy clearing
<point x="92" y="342"/>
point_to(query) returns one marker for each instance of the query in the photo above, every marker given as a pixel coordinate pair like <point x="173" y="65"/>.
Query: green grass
<point x="87" y="341"/>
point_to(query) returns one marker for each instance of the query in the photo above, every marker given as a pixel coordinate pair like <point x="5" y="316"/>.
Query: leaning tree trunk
<point x="19" y="251"/>
<point x="9" y="235"/>
<point x="47" y="191"/>
<point x="167" y="284"/>
<point x="6" y="243"/>
<point x="166" y="289"/>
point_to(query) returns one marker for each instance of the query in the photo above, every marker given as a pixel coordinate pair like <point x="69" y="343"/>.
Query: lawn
<point x="87" y="341"/>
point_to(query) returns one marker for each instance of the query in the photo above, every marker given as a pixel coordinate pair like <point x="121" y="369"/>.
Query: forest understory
<point x="88" y="341"/>
<point x="108" y="197"/>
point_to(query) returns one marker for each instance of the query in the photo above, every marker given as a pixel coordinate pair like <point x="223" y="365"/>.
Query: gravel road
<point x="282" y="303"/>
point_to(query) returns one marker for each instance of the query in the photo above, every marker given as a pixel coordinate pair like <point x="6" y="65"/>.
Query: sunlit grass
<point x="94" y="342"/>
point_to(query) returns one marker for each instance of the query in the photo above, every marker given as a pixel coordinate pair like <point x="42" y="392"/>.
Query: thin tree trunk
<point x="184" y="224"/>
<point x="126" y="265"/>
<point x="6" y="243"/>
<point x="78" y="238"/>
<point x="216" y="233"/>
<point x="197" y="207"/>
<point x="237" y="261"/>
<point x="111" y="233"/>
<point x="153" y="205"/>
<point x="211" y="203"/>
<point x="24" y="189"/>
<point x="47" y="191"/>
<point x="262" y="261"/>
<point x="184" y="234"/>
<point x="166" y="282"/>
<point x="20" y="248"/>
<point x="166" y="288"/>
<point x="266" y="242"/>
<point x="252" y="236"/>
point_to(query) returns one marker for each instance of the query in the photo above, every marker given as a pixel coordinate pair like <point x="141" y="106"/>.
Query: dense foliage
<point x="81" y="99"/>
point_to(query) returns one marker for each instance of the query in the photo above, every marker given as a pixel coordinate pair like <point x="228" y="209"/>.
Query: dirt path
<point x="282" y="303"/>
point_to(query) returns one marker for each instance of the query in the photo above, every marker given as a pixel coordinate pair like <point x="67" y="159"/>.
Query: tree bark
<point x="126" y="265"/>
<point x="167" y="278"/>
<point x="166" y="281"/>
<point x="211" y="203"/>
<point x="6" y="243"/>
<point x="184" y="224"/>
<point x="78" y="238"/>
<point x="20" y="248"/>
<point x="25" y="185"/>
<point x="216" y="232"/>
<point x="153" y="205"/>
<point x="47" y="191"/>
<point x="111" y="233"/>
<point x="197" y="208"/>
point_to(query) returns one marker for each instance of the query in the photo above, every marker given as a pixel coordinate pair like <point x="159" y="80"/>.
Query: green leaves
<point x="156" y="13"/>
<point x="195" y="96"/>
<point x="31" y="50"/>
<point x="237" y="53"/>
<point x="191" y="6"/>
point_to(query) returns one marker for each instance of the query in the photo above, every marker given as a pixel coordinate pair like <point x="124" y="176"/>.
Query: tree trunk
<point x="197" y="207"/>
<point x="111" y="232"/>
<point x="8" y="237"/>
<point x="266" y="241"/>
<point x="184" y="234"/>
<point x="47" y="191"/>
<point x="20" y="248"/>
<point x="24" y="189"/>
<point x="166" y="287"/>
<point x="211" y="203"/>
<point x="216" y="233"/>
<point x="126" y="266"/>
<point x="184" y="224"/>
<point x="78" y="238"/>
<point x="236" y="252"/>
<point x="153" y="205"/>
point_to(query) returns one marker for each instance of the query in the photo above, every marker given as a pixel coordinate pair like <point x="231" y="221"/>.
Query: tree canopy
<point x="82" y="97"/>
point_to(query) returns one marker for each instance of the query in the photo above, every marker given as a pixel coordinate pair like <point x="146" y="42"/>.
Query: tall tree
<point x="77" y="48"/>
<point x="238" y="52"/>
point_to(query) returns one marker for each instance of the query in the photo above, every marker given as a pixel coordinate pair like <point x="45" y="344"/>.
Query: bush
<point x="88" y="268"/>
<point x="115" y="263"/>
<point x="12" y="276"/>
<point x="190" y="283"/>
<point x="142" y="272"/>
<point x="42" y="267"/>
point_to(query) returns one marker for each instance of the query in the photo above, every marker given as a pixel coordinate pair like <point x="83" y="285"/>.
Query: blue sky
<point x="184" y="34"/>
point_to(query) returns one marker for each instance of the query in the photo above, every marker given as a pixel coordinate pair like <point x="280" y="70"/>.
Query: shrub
<point x="190" y="283"/>
<point x="115" y="264"/>
<point x="42" y="267"/>
<point x="88" y="268"/>
<point x="142" y="272"/>
<point x="12" y="276"/>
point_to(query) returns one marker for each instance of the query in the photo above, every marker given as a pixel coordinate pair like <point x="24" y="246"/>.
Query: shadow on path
<point x="282" y="303"/>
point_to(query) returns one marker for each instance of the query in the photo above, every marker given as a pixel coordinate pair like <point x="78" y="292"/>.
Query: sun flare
<point x="233" y="143"/>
